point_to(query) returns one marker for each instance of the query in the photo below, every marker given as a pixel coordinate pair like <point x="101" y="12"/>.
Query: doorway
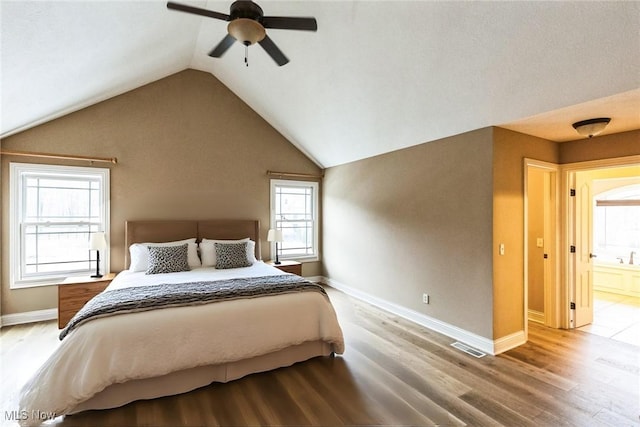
<point x="581" y="182"/>
<point x="541" y="242"/>
<point x="616" y="239"/>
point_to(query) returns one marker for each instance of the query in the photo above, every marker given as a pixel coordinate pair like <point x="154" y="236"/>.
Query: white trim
<point x="508" y="342"/>
<point x="29" y="317"/>
<point x="486" y="345"/>
<point x="315" y="187"/>
<point x="16" y="170"/>
<point x="535" y="316"/>
<point x="316" y="279"/>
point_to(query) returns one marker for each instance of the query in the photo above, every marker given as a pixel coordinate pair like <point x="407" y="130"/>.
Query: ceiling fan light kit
<point x="591" y="127"/>
<point x="246" y="31"/>
<point x="247" y="24"/>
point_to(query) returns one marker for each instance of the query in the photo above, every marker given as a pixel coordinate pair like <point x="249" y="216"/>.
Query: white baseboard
<point x="486" y="345"/>
<point x="29" y="317"/>
<point x="510" y="341"/>
<point x="535" y="316"/>
<point x="316" y="279"/>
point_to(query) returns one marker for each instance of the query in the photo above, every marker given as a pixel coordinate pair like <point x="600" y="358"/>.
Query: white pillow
<point x="208" y="250"/>
<point x="139" y="253"/>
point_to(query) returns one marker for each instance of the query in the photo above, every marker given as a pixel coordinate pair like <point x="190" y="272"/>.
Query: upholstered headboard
<point x="158" y="231"/>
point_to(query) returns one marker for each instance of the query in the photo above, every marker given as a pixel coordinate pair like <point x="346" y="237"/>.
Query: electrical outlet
<point x="425" y="298"/>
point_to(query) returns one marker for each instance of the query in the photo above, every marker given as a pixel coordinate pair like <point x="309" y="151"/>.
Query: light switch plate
<point x="540" y="242"/>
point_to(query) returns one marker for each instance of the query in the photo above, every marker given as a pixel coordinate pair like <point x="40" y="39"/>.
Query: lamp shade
<point x="591" y="127"/>
<point x="274" y="235"/>
<point x="97" y="241"/>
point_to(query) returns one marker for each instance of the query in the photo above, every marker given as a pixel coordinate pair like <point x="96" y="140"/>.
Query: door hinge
<point x="572" y="249"/>
<point x="572" y="192"/>
<point x="572" y="306"/>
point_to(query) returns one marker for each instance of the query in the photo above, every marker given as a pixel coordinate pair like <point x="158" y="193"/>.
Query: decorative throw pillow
<point x="208" y="250"/>
<point x="231" y="255"/>
<point x="168" y="259"/>
<point x="140" y="253"/>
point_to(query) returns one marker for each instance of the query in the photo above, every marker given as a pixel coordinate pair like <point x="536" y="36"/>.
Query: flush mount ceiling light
<point x="590" y="128"/>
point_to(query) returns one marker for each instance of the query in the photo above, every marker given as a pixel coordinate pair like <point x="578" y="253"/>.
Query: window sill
<point x="27" y="284"/>
<point x="35" y="284"/>
<point x="302" y="260"/>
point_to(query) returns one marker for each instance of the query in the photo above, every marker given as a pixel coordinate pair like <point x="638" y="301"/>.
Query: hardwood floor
<point x="392" y="373"/>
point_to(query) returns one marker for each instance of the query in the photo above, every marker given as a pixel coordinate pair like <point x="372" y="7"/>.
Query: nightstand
<point x="74" y="293"/>
<point x="294" y="267"/>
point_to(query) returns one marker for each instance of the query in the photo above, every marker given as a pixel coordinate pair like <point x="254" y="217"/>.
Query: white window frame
<point x="16" y="206"/>
<point x="315" y="200"/>
<point x="623" y="196"/>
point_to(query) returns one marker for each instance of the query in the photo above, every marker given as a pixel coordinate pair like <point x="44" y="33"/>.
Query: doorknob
<point x="593" y="256"/>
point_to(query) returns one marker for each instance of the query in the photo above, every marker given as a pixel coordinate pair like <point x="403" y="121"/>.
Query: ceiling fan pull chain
<point x="246" y="55"/>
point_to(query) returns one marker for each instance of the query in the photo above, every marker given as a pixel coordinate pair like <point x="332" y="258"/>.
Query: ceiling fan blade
<point x="290" y="23"/>
<point x="222" y="47"/>
<point x="273" y="51"/>
<point x="197" y="11"/>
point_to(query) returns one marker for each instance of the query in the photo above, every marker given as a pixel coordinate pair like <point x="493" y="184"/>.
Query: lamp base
<point x="277" y="259"/>
<point x="97" y="275"/>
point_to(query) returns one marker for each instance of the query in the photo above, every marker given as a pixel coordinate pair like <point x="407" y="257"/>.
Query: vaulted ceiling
<point x="377" y="75"/>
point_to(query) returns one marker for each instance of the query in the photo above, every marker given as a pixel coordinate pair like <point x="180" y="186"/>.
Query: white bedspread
<point x="146" y="344"/>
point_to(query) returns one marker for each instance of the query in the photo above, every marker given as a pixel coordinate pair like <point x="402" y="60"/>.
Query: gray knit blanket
<point x="144" y="298"/>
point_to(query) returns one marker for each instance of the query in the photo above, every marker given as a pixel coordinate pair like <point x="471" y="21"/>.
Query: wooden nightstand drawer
<point x="74" y="293"/>
<point x="294" y="267"/>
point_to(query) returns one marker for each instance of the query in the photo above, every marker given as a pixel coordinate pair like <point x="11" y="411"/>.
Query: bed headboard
<point x="158" y="231"/>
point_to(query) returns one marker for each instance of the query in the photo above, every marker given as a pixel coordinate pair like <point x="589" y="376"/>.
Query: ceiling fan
<point x="248" y="25"/>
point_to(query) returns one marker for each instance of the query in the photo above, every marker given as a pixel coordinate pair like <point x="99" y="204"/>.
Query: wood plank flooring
<point x="393" y="373"/>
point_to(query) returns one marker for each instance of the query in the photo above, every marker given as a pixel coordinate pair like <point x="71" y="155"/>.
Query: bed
<point x="110" y="361"/>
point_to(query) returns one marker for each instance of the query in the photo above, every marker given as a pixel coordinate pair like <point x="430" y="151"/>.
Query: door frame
<point x="552" y="288"/>
<point x="567" y="173"/>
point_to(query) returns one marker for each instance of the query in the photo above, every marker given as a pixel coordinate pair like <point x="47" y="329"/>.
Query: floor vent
<point x="469" y="350"/>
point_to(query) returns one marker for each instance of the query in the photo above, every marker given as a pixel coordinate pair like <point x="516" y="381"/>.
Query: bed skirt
<point x="187" y="380"/>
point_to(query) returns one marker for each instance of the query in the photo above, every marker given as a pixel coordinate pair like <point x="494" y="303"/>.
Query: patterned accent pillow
<point x="168" y="259"/>
<point x="231" y="255"/>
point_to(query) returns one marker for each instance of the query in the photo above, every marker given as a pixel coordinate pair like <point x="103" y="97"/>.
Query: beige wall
<point x="187" y="148"/>
<point x="509" y="150"/>
<point x="424" y="219"/>
<point x="601" y="147"/>
<point x="416" y="221"/>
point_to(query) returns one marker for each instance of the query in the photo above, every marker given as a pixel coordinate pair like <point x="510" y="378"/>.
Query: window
<point x="616" y="222"/>
<point x="54" y="209"/>
<point x="294" y="210"/>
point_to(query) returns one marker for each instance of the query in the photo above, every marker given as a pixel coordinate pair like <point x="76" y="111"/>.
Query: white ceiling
<point x="376" y="77"/>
